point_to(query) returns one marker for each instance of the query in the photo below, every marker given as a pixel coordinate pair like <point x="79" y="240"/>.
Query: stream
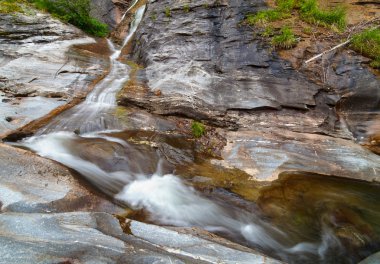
<point x="301" y="218"/>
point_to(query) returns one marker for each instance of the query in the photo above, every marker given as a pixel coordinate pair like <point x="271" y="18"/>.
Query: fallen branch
<point x="327" y="51"/>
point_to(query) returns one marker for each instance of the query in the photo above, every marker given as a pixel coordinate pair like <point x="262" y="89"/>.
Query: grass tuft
<point x="285" y="40"/>
<point x="311" y="13"/>
<point x="368" y="44"/>
<point x="198" y="129"/>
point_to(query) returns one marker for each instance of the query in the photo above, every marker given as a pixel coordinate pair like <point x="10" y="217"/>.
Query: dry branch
<point x="327" y="51"/>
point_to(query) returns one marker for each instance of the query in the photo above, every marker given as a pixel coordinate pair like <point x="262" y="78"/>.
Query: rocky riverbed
<point x="266" y="116"/>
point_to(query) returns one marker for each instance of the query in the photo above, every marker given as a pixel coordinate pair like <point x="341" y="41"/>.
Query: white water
<point x="170" y="201"/>
<point x="166" y="197"/>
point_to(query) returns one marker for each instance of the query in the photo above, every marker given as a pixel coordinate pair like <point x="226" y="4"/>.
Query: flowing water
<point x="96" y="113"/>
<point x="289" y="220"/>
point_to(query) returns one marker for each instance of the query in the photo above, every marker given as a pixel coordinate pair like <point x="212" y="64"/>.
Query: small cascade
<point x="96" y="113"/>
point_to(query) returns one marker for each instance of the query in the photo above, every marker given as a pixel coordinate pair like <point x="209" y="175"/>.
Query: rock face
<point x="201" y="62"/>
<point x="204" y="63"/>
<point x="37" y="69"/>
<point x="109" y="12"/>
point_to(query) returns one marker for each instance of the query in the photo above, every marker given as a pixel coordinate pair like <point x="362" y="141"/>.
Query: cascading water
<point x="167" y="198"/>
<point x="96" y="113"/>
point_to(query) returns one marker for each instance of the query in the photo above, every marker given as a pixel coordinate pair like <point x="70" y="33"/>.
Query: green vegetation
<point x="285" y="39"/>
<point x="198" y="129"/>
<point x="76" y="12"/>
<point x="368" y="44"/>
<point x="186" y="8"/>
<point x="283" y="10"/>
<point x="168" y="12"/>
<point x="268" y="32"/>
<point x="154" y="16"/>
<point x="311" y="13"/>
<point x="308" y="9"/>
<point x="12" y="6"/>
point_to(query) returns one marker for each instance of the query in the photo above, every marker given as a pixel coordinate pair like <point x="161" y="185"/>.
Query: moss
<point x="153" y="16"/>
<point x="186" y="8"/>
<point x="285" y="40"/>
<point x="76" y="12"/>
<point x="168" y="12"/>
<point x="198" y="129"/>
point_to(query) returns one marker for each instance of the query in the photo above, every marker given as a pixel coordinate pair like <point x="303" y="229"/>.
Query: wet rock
<point x="264" y="155"/>
<point x="109" y="12"/>
<point x="98" y="237"/>
<point x="34" y="55"/>
<point x="210" y="248"/>
<point x="373" y="259"/>
<point x="29" y="183"/>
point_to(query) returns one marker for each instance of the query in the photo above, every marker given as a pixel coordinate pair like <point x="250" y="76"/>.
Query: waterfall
<point x="96" y="113"/>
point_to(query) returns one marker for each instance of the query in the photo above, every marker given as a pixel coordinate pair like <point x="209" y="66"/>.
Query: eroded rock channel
<point x="278" y="176"/>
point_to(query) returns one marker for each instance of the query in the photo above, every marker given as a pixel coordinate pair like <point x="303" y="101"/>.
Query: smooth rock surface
<point x="35" y="62"/>
<point x="29" y="183"/>
<point x="265" y="155"/>
<point x="373" y="259"/>
<point x="98" y="238"/>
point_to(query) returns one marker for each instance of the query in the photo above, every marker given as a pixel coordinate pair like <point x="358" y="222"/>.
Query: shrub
<point x="76" y="12"/>
<point x="368" y="44"/>
<point x="198" y="129"/>
<point x="285" y="40"/>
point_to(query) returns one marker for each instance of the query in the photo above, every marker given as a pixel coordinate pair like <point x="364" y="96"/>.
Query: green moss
<point x="311" y="13"/>
<point x="186" y="8"/>
<point x="76" y="12"/>
<point x="285" y="40"/>
<point x="153" y="16"/>
<point x="368" y="44"/>
<point x="198" y="129"/>
<point x="168" y="12"/>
